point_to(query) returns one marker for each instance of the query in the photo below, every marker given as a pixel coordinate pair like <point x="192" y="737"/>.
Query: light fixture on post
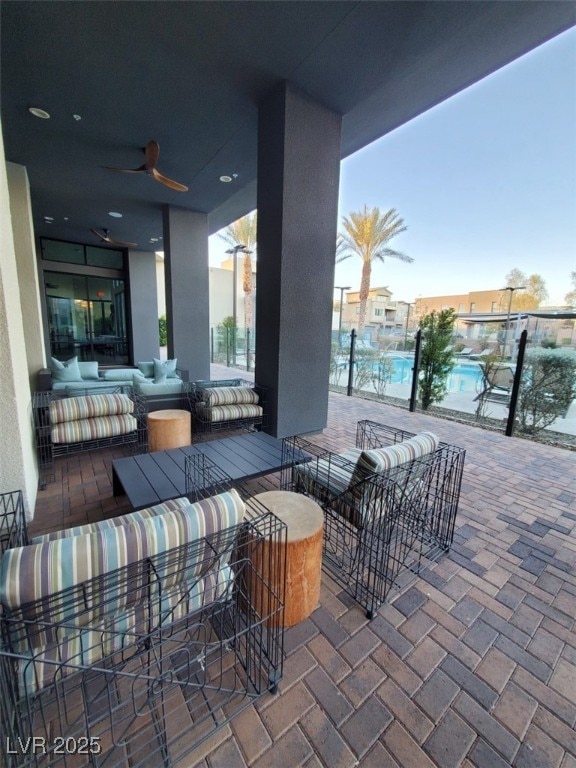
<point x="234" y="252"/>
<point x="408" y="304"/>
<point x="341" y="289"/>
<point x="511" y="289"/>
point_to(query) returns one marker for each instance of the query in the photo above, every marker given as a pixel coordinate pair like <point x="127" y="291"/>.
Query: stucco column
<point x="18" y="470"/>
<point x="298" y="175"/>
<point x="187" y="285"/>
<point x="143" y="305"/>
<point x="27" y="266"/>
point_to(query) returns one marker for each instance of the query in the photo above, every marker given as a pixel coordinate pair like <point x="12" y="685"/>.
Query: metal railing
<point x="528" y="390"/>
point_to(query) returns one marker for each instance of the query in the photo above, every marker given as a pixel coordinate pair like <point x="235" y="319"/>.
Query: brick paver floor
<point x="475" y="665"/>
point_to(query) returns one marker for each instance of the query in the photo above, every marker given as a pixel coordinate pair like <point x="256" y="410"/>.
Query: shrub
<point x="437" y="358"/>
<point x="548" y="388"/>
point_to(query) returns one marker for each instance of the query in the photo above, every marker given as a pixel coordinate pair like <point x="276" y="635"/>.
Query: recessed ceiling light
<point x="226" y="179"/>
<point x="115" y="214"/>
<point x="37" y="112"/>
<point x="77" y="117"/>
<point x="49" y="218"/>
<point x="65" y="218"/>
<point x="153" y="239"/>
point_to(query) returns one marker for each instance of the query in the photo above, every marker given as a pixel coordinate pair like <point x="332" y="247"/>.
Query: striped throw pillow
<point x="89" y="406"/>
<point x="229" y="396"/>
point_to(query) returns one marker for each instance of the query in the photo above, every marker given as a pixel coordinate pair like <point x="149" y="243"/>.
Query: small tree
<point x="437" y="358"/>
<point x="382" y="372"/>
<point x="365" y="361"/>
<point x="548" y="388"/>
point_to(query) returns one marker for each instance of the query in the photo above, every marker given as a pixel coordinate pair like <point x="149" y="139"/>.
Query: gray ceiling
<point x="191" y="75"/>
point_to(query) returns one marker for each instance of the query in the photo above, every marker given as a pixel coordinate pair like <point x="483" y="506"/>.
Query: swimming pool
<point x="464" y="377"/>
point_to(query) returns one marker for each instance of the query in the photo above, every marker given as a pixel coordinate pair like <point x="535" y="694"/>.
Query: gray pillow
<point x="65" y="371"/>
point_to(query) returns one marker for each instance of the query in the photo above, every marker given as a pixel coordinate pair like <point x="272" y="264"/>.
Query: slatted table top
<point x="150" y="478"/>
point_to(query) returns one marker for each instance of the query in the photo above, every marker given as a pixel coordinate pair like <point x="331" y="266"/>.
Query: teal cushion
<point x="120" y="374"/>
<point x="89" y="371"/>
<point x="165" y="367"/>
<point x="146" y="368"/>
<point x="65" y="371"/>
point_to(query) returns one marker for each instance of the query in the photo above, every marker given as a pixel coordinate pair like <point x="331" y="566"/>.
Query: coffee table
<point x="151" y="478"/>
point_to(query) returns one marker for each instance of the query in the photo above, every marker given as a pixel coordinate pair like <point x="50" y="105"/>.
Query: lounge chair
<point x="484" y="353"/>
<point x="497" y="383"/>
<point x="466" y="352"/>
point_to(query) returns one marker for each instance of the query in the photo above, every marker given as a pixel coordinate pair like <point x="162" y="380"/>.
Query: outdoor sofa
<point x="132" y="639"/>
<point x="161" y="381"/>
<point x="389" y="504"/>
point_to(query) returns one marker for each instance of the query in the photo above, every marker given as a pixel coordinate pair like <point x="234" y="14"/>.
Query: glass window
<point x="55" y="250"/>
<point x="104" y="257"/>
<point x="86" y="317"/>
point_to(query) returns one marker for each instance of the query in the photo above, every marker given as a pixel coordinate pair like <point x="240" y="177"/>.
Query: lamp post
<point x="234" y="253"/>
<point x="408" y="304"/>
<point x="341" y="289"/>
<point x="511" y="289"/>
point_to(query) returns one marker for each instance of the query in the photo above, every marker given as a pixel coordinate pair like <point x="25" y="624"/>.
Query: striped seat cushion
<point x="92" y="429"/>
<point x="89" y="406"/>
<point x="218" y="413"/>
<point x="229" y="396"/>
<point x="113" y="522"/>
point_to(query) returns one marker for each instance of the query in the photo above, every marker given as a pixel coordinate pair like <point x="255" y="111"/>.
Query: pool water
<point x="463" y="378"/>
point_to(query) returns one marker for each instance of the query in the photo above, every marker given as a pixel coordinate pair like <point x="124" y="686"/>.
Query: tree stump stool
<point x="302" y="552"/>
<point x="169" y="429"/>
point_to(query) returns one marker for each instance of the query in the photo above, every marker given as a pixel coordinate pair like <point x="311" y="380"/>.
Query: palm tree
<point x="366" y="234"/>
<point x="243" y="232"/>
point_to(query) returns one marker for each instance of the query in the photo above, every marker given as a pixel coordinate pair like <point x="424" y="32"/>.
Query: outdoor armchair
<point x="389" y="504"/>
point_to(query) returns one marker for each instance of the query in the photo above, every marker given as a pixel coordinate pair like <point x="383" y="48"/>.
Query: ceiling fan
<point x="110" y="240"/>
<point x="151" y="152"/>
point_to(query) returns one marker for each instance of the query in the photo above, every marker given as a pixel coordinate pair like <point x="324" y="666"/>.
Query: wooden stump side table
<point x="169" y="429"/>
<point x="303" y="551"/>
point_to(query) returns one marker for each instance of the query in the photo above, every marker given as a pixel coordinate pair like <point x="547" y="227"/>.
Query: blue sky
<point x="485" y="182"/>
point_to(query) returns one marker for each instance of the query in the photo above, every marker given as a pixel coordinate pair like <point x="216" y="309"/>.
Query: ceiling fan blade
<point x="121" y="243"/>
<point x="168" y="182"/>
<point x="141" y="169"/>
<point x="107" y="239"/>
<point x="99" y="234"/>
<point x="151" y="155"/>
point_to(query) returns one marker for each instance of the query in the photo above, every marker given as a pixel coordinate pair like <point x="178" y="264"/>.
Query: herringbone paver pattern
<point x="474" y="665"/>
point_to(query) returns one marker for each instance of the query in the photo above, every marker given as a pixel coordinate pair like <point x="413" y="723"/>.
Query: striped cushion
<point x="40" y="570"/>
<point x="89" y="406"/>
<point x="120" y="632"/>
<point x="382" y="459"/>
<point x="230" y="412"/>
<point x="92" y="429"/>
<point x="229" y="396"/>
<point x="113" y="522"/>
